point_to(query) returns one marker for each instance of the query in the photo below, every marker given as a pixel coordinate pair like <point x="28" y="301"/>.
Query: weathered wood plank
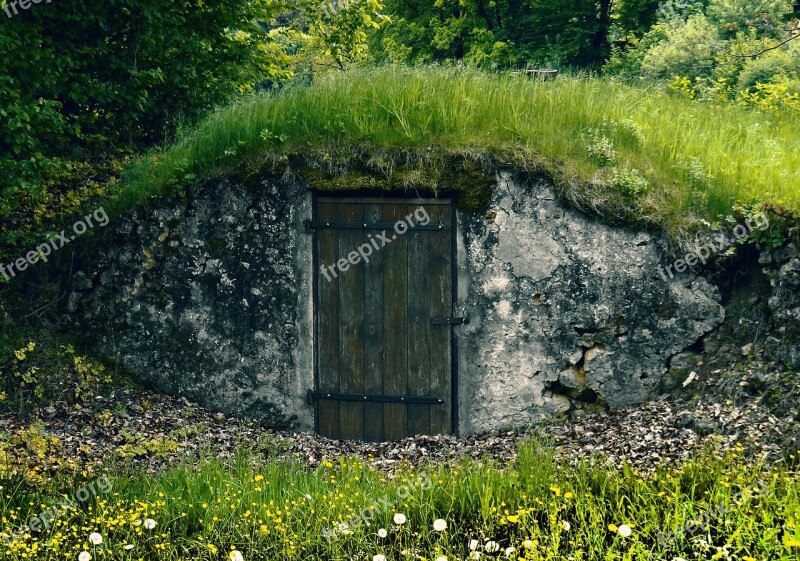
<point x="327" y="324"/>
<point x="351" y="324"/>
<point x="441" y="292"/>
<point x="374" y="334"/>
<point x="419" y="325"/>
<point x="395" y="332"/>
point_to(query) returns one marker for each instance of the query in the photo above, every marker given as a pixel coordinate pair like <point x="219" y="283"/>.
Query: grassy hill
<point x="662" y="159"/>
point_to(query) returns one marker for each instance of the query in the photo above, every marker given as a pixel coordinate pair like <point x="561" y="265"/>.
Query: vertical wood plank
<point x="441" y="305"/>
<point x="328" y="323"/>
<point x="419" y="325"/>
<point x="351" y="324"/>
<point x="373" y="329"/>
<point x="395" y="329"/>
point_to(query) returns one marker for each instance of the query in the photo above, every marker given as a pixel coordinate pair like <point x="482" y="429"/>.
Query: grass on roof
<point x="696" y="159"/>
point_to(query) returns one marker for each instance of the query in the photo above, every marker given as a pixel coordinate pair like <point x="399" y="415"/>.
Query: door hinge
<point x="313" y="396"/>
<point x="311" y="225"/>
<point x="449" y="321"/>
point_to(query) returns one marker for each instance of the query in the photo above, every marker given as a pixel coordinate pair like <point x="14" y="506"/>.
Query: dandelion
<point x="613" y="528"/>
<point x="509" y="550"/>
<point x="382" y="533"/>
<point x="624" y="530"/>
<point x="84" y="556"/>
<point x="568" y="495"/>
<point x="127" y="547"/>
<point x="513" y="518"/>
<point x="259" y="477"/>
<point x="149" y="523"/>
<point x="527" y="544"/>
<point x="492" y="547"/>
<point x="379" y="557"/>
<point x="556" y="491"/>
<point x="566" y="525"/>
<point x="439" y="525"/>
<point x="473" y="544"/>
<point x="441" y="558"/>
<point x="236" y="555"/>
<point x="95" y="538"/>
<point x="399" y="519"/>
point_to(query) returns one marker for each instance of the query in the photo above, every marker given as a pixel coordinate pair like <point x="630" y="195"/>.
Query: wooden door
<point x="383" y="307"/>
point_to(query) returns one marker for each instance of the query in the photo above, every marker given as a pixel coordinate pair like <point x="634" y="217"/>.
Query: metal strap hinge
<point x="313" y="396"/>
<point x="311" y="225"/>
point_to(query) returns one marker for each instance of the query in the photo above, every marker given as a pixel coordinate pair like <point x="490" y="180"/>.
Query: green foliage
<point x="84" y="84"/>
<point x="339" y="29"/>
<point x="600" y="148"/>
<point x="36" y="371"/>
<point x="498" y="33"/>
<point x="630" y="182"/>
<point x="731" y="50"/>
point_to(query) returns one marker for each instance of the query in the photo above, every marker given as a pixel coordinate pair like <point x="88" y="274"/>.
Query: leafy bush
<point x="733" y="50"/>
<point x="44" y="369"/>
<point x="83" y="85"/>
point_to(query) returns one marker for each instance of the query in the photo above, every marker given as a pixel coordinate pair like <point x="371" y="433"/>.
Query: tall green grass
<point x="698" y="158"/>
<point x="543" y="508"/>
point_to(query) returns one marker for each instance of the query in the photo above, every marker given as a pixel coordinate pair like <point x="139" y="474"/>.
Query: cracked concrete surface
<point x="565" y="312"/>
<point x="209" y="297"/>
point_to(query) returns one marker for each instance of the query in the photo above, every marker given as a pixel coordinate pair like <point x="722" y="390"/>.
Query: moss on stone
<point x="460" y="177"/>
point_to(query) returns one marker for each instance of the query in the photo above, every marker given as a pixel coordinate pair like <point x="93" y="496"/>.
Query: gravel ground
<point x="150" y="432"/>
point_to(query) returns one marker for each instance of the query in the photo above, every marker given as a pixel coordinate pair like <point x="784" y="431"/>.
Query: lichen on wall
<point x="566" y="313"/>
<point x="206" y="298"/>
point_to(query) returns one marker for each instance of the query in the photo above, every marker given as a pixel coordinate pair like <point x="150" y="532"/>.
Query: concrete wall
<point x="565" y="312"/>
<point x="209" y="297"/>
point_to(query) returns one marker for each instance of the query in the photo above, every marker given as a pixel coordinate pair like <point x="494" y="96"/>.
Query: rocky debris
<point x="148" y="432"/>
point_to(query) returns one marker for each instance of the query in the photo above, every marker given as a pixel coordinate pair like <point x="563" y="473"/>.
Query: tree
<point x="498" y="32"/>
<point x="83" y="82"/>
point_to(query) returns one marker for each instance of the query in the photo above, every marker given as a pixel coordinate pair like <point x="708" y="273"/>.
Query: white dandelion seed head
<point x="624" y="530"/>
<point x="492" y="546"/>
<point x="236" y="555"/>
<point x="399" y="519"/>
<point x="149" y="523"/>
<point x="440" y="525"/>
<point x="382" y="533"/>
<point x="84" y="556"/>
<point x="95" y="538"/>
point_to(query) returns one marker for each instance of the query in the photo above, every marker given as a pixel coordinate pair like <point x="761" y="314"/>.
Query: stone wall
<point x="566" y="312"/>
<point x="209" y="297"/>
